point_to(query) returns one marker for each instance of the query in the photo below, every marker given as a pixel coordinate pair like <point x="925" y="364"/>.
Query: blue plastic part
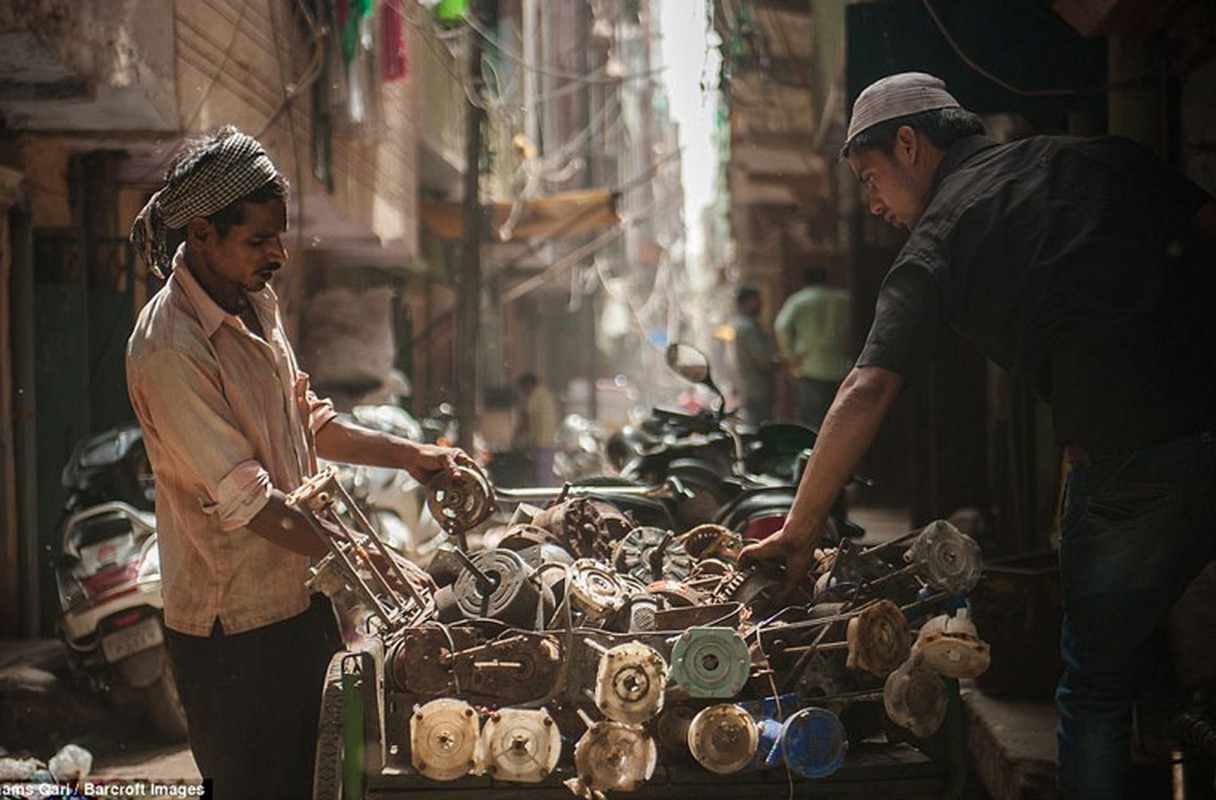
<point x="768" y="750"/>
<point x="814" y="742"/>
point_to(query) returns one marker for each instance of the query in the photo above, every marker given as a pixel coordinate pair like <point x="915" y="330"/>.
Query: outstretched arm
<point x="850" y="426"/>
<point x="348" y="442"/>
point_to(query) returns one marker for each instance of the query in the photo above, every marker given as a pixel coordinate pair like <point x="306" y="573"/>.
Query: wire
<point x="312" y="71"/>
<point x="490" y="39"/>
<point x="1009" y="87"/>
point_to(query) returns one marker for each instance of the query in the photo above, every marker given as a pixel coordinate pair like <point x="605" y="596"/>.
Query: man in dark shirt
<point x="1084" y="267"/>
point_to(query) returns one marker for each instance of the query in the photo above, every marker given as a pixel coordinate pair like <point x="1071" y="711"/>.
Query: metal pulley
<point x="614" y="756"/>
<point x="915" y="698"/>
<point x="594" y="589"/>
<point x="946" y="558"/>
<point x="630" y="682"/>
<point x="519" y="745"/>
<point x="443" y="739"/>
<point x="723" y="738"/>
<point x="951" y="646"/>
<point x="459" y="501"/>
<point x="710" y="662"/>
<point x="878" y="639"/>
<point x="651" y="554"/>
<point x="499" y="585"/>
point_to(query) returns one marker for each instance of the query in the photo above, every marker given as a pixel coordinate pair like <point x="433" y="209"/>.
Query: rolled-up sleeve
<point x="908" y="321"/>
<point x="206" y="450"/>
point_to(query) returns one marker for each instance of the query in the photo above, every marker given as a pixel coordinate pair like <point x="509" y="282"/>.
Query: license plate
<point x="128" y="641"/>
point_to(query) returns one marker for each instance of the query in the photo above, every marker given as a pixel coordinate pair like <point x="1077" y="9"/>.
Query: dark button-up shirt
<point x="1069" y="262"/>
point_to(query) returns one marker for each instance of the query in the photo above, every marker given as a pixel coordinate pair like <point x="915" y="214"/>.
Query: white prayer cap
<point x="897" y="96"/>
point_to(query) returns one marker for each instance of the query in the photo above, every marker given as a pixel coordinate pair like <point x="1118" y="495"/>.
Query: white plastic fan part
<point x="519" y="745"/>
<point x="614" y="756"/>
<point x="915" y="697"/>
<point x="630" y="683"/>
<point x="723" y="738"/>
<point x="443" y="739"/>
<point x="946" y="557"/>
<point x="951" y="646"/>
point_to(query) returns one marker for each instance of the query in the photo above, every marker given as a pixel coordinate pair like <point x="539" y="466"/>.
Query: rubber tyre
<point x="327" y="770"/>
<point x="164" y="706"/>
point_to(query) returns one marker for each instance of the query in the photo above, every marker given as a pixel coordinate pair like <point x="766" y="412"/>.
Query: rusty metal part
<point x="589" y="528"/>
<point x="358" y="560"/>
<point x="420" y="662"/>
<point x="594" y="590"/>
<point x="878" y="639"/>
<point x="525" y="535"/>
<point x="723" y="738"/>
<point x="461" y="500"/>
<point x="677" y="594"/>
<point x="650" y="554"/>
<point x="516" y="669"/>
<point x="712" y="541"/>
<point x="718" y="614"/>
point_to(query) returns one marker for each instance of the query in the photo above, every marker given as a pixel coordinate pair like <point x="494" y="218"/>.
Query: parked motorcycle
<point x="108" y="576"/>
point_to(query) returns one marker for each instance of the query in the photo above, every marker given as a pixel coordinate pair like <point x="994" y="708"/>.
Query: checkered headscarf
<point x="236" y="166"/>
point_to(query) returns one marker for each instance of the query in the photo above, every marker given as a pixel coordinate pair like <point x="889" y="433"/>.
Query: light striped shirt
<point x="225" y="416"/>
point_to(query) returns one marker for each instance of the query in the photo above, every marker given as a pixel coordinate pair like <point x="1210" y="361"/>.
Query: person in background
<point x="812" y="332"/>
<point x="1086" y="268"/>
<point x="536" y="426"/>
<point x="231" y="427"/>
<point x="755" y="357"/>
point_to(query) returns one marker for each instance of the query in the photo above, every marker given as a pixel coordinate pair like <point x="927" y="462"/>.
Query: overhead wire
<point x="975" y="67"/>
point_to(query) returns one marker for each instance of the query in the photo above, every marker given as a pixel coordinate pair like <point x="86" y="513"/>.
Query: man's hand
<point x="428" y="460"/>
<point x="794" y="550"/>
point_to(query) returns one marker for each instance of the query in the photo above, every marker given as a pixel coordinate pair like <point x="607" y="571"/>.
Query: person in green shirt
<point x="812" y="329"/>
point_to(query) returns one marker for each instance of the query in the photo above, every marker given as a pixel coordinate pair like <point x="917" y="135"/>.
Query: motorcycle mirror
<point x="688" y="362"/>
<point x="691" y="364"/>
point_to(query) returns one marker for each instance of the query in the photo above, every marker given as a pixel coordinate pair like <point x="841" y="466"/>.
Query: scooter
<point x="109" y="580"/>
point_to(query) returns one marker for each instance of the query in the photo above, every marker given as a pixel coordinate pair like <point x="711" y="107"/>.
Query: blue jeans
<point x="1136" y="529"/>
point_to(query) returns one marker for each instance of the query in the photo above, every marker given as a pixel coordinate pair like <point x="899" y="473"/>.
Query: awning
<point x="565" y="214"/>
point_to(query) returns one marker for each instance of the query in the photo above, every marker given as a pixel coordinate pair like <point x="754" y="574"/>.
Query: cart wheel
<point x="327" y="771"/>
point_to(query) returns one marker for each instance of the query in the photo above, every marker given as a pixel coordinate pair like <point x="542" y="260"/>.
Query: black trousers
<point x="252" y="701"/>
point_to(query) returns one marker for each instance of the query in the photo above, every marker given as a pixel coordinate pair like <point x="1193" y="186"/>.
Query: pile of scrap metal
<point x="638" y="642"/>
